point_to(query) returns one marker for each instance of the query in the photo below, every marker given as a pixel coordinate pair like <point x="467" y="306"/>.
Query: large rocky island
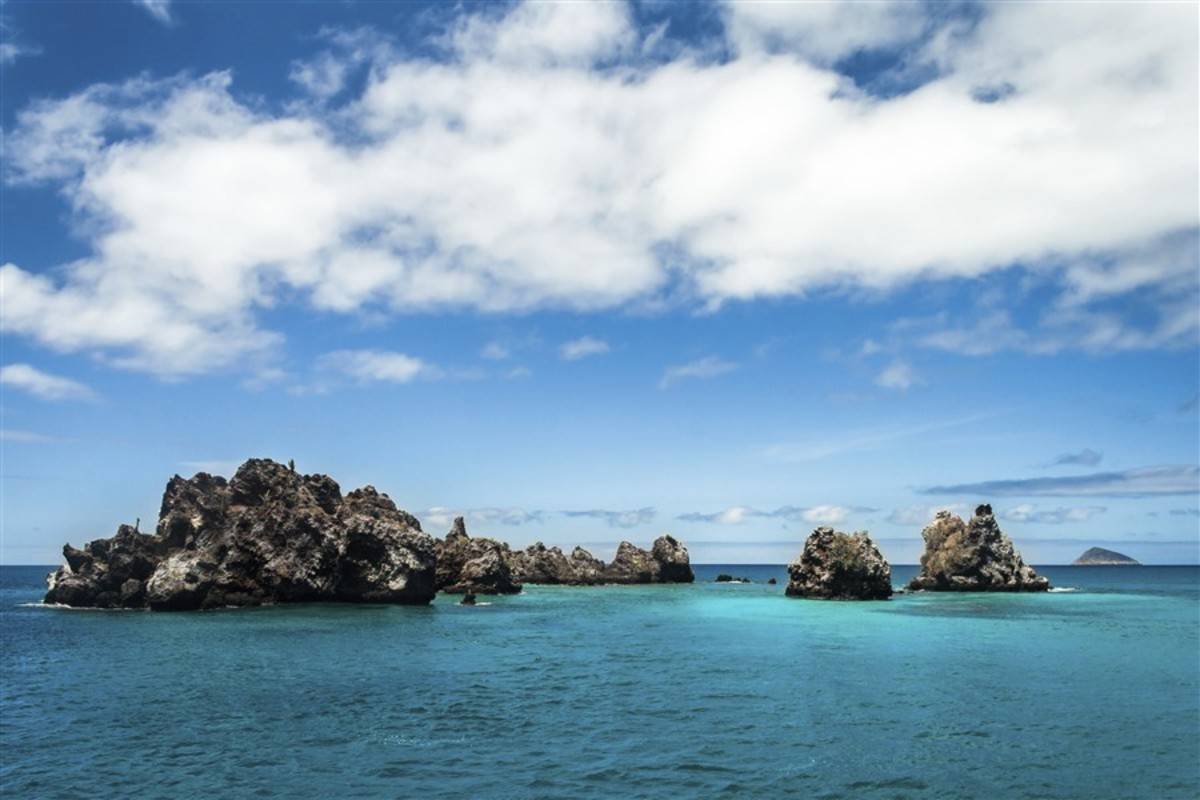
<point x="840" y="566"/>
<point x="1099" y="557"/>
<point x="272" y="535"/>
<point x="973" y="557"/>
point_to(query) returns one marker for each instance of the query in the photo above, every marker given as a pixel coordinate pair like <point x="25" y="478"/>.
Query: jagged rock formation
<point x="725" y="577"/>
<point x="540" y="564"/>
<point x="268" y="535"/>
<point x="665" y="562"/>
<point x="1099" y="557"/>
<point x="478" y="565"/>
<point x="840" y="566"/>
<point x="973" y="557"/>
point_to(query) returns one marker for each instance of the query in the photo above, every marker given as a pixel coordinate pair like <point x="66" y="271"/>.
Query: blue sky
<point x="591" y="272"/>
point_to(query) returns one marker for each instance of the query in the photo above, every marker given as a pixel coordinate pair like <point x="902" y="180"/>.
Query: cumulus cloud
<point x="543" y="162"/>
<point x="818" y="515"/>
<point x="1142" y="482"/>
<point x="495" y="351"/>
<point x="24" y="437"/>
<point x="618" y="519"/>
<point x="707" y="367"/>
<point x="41" y="384"/>
<point x="1051" y="516"/>
<point x="582" y="348"/>
<point x="1086" y="457"/>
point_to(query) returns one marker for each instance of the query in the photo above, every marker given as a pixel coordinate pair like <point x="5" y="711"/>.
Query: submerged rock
<point x="772" y="581"/>
<point x="973" y="557"/>
<point x="725" y="577"/>
<point x="269" y="535"/>
<point x="840" y="566"/>
<point x="1099" y="557"/>
<point x="665" y="562"/>
<point x="467" y="564"/>
<point x="468" y="599"/>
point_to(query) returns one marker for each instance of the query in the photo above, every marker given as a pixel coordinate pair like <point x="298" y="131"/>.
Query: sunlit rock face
<point x="973" y="557"/>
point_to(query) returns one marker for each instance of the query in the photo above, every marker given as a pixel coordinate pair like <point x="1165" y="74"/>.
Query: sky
<point x="586" y="272"/>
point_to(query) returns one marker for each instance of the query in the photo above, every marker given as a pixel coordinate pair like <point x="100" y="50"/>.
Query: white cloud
<point x="1027" y="512"/>
<point x="376" y="365"/>
<point x="922" y="515"/>
<point x="517" y="175"/>
<point x="518" y="372"/>
<point x="30" y="379"/>
<point x="897" y="375"/>
<point x="707" y="367"/>
<point x="852" y="441"/>
<point x="438" y="517"/>
<point x="1182" y="479"/>
<point x="582" y="348"/>
<point x="1086" y="457"/>
<point x="817" y="515"/>
<point x="159" y="9"/>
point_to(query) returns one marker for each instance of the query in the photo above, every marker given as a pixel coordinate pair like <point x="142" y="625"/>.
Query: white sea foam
<point x="1062" y="589"/>
<point x="65" y="607"/>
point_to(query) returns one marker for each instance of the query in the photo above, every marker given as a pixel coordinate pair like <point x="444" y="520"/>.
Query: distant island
<point x="1099" y="557"/>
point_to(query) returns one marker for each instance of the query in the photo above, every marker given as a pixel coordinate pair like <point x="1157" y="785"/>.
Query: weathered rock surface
<point x="549" y="565"/>
<point x="269" y="535"/>
<point x="1099" y="557"/>
<point x="665" y="562"/>
<point x="467" y="564"/>
<point x="973" y="557"/>
<point x="840" y="566"/>
<point x="725" y="577"/>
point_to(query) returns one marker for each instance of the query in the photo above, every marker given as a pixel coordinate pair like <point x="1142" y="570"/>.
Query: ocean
<point x="692" y="691"/>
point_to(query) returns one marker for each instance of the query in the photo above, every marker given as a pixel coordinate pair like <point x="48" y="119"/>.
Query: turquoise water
<point x="700" y="691"/>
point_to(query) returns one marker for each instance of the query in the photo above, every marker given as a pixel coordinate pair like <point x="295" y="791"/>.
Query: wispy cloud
<point x="815" y="515"/>
<point x="618" y="519"/>
<point x="1086" y="457"/>
<point x="376" y="365"/>
<point x="1051" y="516"/>
<point x="898" y="375"/>
<point x="582" y="348"/>
<point x="852" y="441"/>
<point x="24" y="437"/>
<point x="42" y="384"/>
<point x="495" y="351"/>
<point x="442" y="516"/>
<point x="1143" y="482"/>
<point x="1185" y="512"/>
<point x="707" y="367"/>
<point x="159" y="9"/>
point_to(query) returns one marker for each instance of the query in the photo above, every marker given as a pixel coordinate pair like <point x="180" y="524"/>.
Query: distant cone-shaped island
<point x="1099" y="557"/>
<point x="272" y="535"/>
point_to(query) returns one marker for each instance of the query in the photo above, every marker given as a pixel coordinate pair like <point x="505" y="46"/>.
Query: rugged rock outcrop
<point x="725" y="577"/>
<point x="269" y="535"/>
<point x="665" y="562"/>
<point x="540" y="564"/>
<point x="1099" y="557"/>
<point x="973" y="557"/>
<point x="478" y="565"/>
<point x="840" y="566"/>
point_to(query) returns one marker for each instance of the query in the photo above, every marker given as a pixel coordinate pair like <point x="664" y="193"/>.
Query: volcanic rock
<point x="666" y="562"/>
<point x="474" y="564"/>
<point x="269" y="535"/>
<point x="840" y="566"/>
<point x="973" y="557"/>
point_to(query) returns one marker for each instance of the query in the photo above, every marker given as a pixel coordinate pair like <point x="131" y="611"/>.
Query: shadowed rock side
<point x="1099" y="557"/>
<point x="973" y="557"/>
<point x="840" y="566"/>
<point x="269" y="535"/>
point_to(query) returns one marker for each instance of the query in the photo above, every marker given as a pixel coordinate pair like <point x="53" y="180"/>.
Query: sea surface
<point x="701" y="691"/>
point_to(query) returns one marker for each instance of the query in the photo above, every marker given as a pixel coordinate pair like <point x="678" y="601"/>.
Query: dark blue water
<point x="700" y="691"/>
